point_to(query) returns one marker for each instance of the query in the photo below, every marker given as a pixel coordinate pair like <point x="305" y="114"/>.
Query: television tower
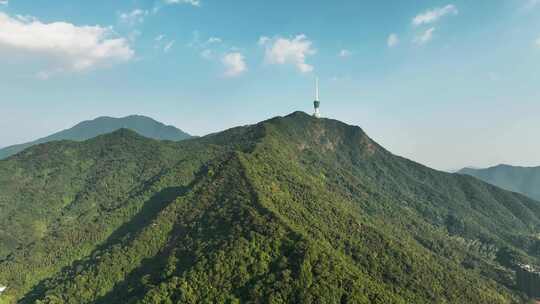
<point x="317" y="102"/>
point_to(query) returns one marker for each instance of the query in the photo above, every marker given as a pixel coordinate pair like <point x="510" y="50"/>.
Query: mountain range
<point x="290" y="210"/>
<point x="525" y="180"/>
<point x="143" y="125"/>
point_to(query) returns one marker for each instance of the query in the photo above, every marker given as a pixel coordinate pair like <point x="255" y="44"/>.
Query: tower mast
<point x="317" y="88"/>
<point x="317" y="102"/>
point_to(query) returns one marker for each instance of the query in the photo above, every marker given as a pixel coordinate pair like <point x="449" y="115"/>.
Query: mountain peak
<point x="143" y="125"/>
<point x="300" y="114"/>
<point x="330" y="137"/>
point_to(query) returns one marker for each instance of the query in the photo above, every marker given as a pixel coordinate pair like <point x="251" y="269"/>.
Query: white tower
<point x="317" y="102"/>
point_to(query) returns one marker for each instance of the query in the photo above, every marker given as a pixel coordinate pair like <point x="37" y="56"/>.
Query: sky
<point x="448" y="84"/>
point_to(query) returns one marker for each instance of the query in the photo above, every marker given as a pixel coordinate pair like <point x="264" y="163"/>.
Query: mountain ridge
<point x="521" y="179"/>
<point x="292" y="209"/>
<point x="87" y="129"/>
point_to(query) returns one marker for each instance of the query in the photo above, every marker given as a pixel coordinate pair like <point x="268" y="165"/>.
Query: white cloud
<point x="4" y="2"/>
<point x="341" y="78"/>
<point x="198" y="42"/>
<point x="207" y="54"/>
<point x="434" y="15"/>
<point x="213" y="40"/>
<point x="289" y="51"/>
<point x="425" y="37"/>
<point x="134" y="17"/>
<point x="158" y="5"/>
<point x="191" y="2"/>
<point x="162" y="44"/>
<point x="168" y="46"/>
<point x="392" y="40"/>
<point x="344" y="53"/>
<point x="215" y="49"/>
<point x="66" y="47"/>
<point x="195" y="40"/>
<point x="234" y="63"/>
<point x="263" y="40"/>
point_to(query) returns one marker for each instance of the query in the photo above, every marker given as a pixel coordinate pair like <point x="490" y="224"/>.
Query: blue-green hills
<point x="525" y="180"/>
<point x="143" y="125"/>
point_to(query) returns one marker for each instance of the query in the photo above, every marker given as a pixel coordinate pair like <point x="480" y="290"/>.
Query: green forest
<point x="290" y="210"/>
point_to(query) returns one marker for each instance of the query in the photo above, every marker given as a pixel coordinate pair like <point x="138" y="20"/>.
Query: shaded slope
<point x="291" y="210"/>
<point x="144" y="126"/>
<point x="524" y="180"/>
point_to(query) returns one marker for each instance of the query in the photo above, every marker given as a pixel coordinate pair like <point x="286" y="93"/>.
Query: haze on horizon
<point x="446" y="83"/>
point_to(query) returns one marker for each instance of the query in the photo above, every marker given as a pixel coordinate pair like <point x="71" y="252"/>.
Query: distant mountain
<point x="143" y="125"/>
<point x="290" y="210"/>
<point x="524" y="180"/>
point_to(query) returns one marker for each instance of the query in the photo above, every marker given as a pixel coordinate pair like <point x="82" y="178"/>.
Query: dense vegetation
<point x="145" y="126"/>
<point x="291" y="210"/>
<point x="524" y="180"/>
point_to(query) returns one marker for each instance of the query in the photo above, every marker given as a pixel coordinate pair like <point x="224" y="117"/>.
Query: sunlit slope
<point x="291" y="210"/>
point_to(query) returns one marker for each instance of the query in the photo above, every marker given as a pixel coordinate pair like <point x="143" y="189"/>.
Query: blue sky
<point x="445" y="83"/>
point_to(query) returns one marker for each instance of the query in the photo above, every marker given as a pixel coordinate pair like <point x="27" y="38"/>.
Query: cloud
<point x="197" y="42"/>
<point x="168" y="46"/>
<point x="263" y="40"/>
<point x="289" y="51"/>
<point x="65" y="46"/>
<point x="234" y="63"/>
<point x="344" y="53"/>
<point x="161" y="43"/>
<point x="209" y="48"/>
<point x="207" y="54"/>
<point x="191" y="2"/>
<point x="4" y="2"/>
<point x="425" y="37"/>
<point x="392" y="40"/>
<point x="432" y="16"/>
<point x="213" y="40"/>
<point x="161" y="3"/>
<point x="215" y="49"/>
<point x="134" y="17"/>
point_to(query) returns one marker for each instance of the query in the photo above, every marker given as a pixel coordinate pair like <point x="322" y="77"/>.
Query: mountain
<point x="524" y="180"/>
<point x="290" y="210"/>
<point x="145" y="126"/>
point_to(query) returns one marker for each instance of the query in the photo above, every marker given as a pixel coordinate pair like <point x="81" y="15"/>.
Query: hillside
<point x="524" y="180"/>
<point x="290" y="210"/>
<point x="145" y="126"/>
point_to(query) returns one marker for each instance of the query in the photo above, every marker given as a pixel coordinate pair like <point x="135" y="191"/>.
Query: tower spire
<point x="317" y="88"/>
